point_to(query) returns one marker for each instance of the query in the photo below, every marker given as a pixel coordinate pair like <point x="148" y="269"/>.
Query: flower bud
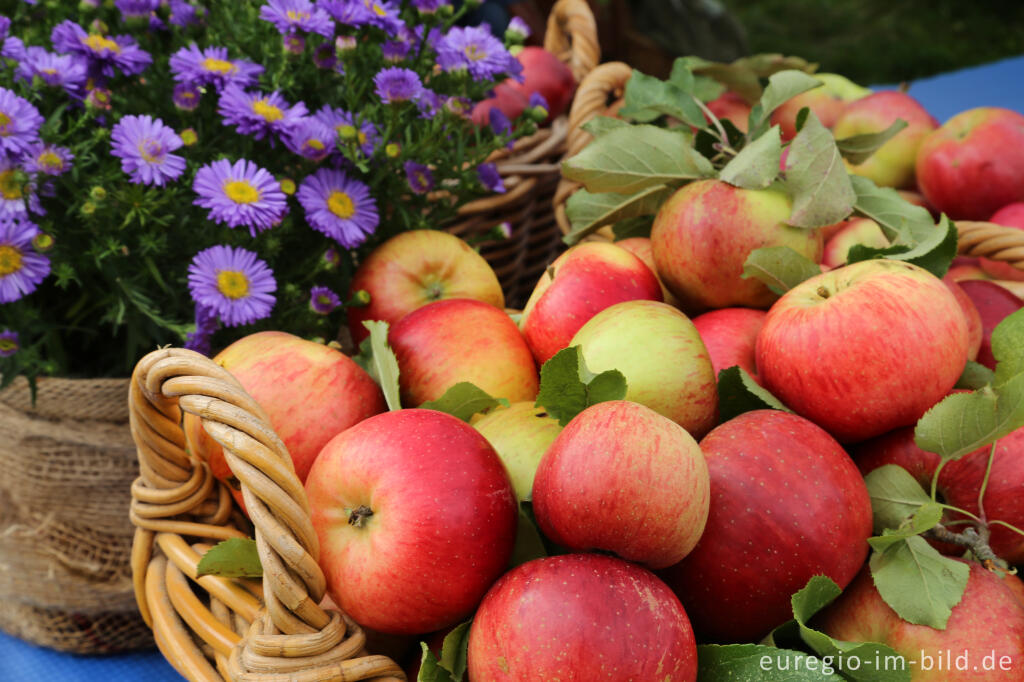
<point x="42" y="242"/>
<point x="97" y="193"/>
<point x="189" y="137"/>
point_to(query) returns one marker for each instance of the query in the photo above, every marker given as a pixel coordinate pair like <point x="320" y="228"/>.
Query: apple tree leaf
<point x="927" y="516"/>
<point x="529" y="542"/>
<point x="376" y="357"/>
<point x="917" y="582"/>
<point x="463" y="400"/>
<point x="739" y="393"/>
<point x="628" y="159"/>
<point x="599" y="125"/>
<point x="1008" y="348"/>
<point x="647" y="98"/>
<point x="451" y="665"/>
<point x="567" y="387"/>
<point x="232" y="558"/>
<point x="759" y="663"/>
<point x="637" y="226"/>
<point x="757" y="164"/>
<point x="782" y="86"/>
<point x="816" y="178"/>
<point x="974" y="376"/>
<point x="588" y="212"/>
<point x="895" y="496"/>
<point x="964" y="422"/>
<point x="858" y="148"/>
<point x="779" y="268"/>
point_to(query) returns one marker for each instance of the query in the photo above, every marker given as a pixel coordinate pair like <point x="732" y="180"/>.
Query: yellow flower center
<point x="473" y="53"/>
<point x="5" y="121"/>
<point x="10" y="260"/>
<point x="98" y="43"/>
<point x="267" y="110"/>
<point x="340" y="204"/>
<point x="218" y="65"/>
<point x="315" y="144"/>
<point x="49" y="72"/>
<point x="50" y="161"/>
<point x="296" y="15"/>
<point x="151" y="151"/>
<point x="378" y="9"/>
<point x="241" y="192"/>
<point x="9" y="187"/>
<point x="8" y="346"/>
<point x="233" y="284"/>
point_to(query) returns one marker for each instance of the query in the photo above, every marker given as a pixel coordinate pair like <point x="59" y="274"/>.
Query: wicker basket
<point x="530" y="171"/>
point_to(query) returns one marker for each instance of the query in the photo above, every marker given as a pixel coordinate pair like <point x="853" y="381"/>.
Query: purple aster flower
<point x="294" y="43"/>
<point x="489" y="177"/>
<point x="476" y="50"/>
<point x="344" y="124"/>
<point x="8" y="343"/>
<point x="99" y="98"/>
<point x="538" y="100"/>
<point x="289" y="16"/>
<point x="13" y="48"/>
<point x="349" y="12"/>
<point x="144" y="144"/>
<point x="499" y="122"/>
<point x="17" y="192"/>
<point x="420" y="179"/>
<point x="56" y="70"/>
<point x="332" y="257"/>
<point x="211" y="66"/>
<point x="429" y="102"/>
<point x="383" y="15"/>
<point x="233" y="283"/>
<point x="258" y="114"/>
<point x="460" y="106"/>
<point x="395" y="50"/>
<point x="103" y="52"/>
<point x="21" y="267"/>
<point x="428" y="6"/>
<point x="19" y="123"/>
<point x="5" y="26"/>
<point x="48" y="159"/>
<point x="323" y="301"/>
<point x="395" y="84"/>
<point x="324" y="57"/>
<point x="338" y="206"/>
<point x="518" y="29"/>
<point x="136" y="9"/>
<point x="186" y="96"/>
<point x="207" y="323"/>
<point x="312" y="139"/>
<point x="240" y="194"/>
<point x="183" y="13"/>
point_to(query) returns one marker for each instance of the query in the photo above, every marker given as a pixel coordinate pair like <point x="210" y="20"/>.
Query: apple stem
<point x="984" y="481"/>
<point x="359" y="515"/>
<point x="823" y="292"/>
<point x="974" y="538"/>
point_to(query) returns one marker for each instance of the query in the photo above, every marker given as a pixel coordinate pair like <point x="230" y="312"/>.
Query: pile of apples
<point x="666" y="524"/>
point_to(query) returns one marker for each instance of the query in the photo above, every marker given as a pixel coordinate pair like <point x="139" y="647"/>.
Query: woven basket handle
<point x="176" y="496"/>
<point x="989" y="240"/>
<point x="571" y="36"/>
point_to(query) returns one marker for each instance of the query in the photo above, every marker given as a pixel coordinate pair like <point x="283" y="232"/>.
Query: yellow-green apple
<point x="520" y="434"/>
<point x="310" y="392"/>
<point x="787" y="503"/>
<point x="971" y="314"/>
<point x="974" y="164"/>
<point x="862" y="231"/>
<point x="993" y="303"/>
<point x="827" y="101"/>
<point x="661" y="354"/>
<point x="733" y="107"/>
<point x="459" y="339"/>
<point x="642" y="249"/>
<point x="729" y="335"/>
<point x="415" y="268"/>
<point x="582" y="282"/>
<point x="621" y="478"/>
<point x="1011" y="215"/>
<point x="579" y="618"/>
<point x="703" y="234"/>
<point x="416" y="519"/>
<point x="892" y="165"/>
<point x="865" y="348"/>
<point x="983" y="639"/>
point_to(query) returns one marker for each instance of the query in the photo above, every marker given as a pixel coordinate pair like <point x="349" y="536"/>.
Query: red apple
<point x="1010" y="216"/>
<point x="787" y="503"/>
<point x="459" y="339"/>
<point x="733" y="107"/>
<point x="892" y="165"/>
<point x="983" y="639"/>
<point x="508" y="99"/>
<point x="582" y="282"/>
<point x="703" y="234"/>
<point x="993" y="303"/>
<point x="729" y="335"/>
<point x="415" y="268"/>
<point x="416" y="519"/>
<point x="974" y="164"/>
<point x="623" y="479"/>
<point x="827" y="101"/>
<point x="520" y="433"/>
<point x="865" y="348"/>
<point x="971" y="314"/>
<point x="580" y="618"/>
<point x="309" y="391"/>
<point x="661" y="355"/>
<point x="863" y="231"/>
<point x="642" y="249"/>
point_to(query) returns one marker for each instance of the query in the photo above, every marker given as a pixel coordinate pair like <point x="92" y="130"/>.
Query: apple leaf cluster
<point x="463" y="400"/>
<point x="567" y="387"/>
<point x="232" y="558"/>
<point x="379" y="361"/>
<point x="451" y="665"/>
<point x="739" y="393"/>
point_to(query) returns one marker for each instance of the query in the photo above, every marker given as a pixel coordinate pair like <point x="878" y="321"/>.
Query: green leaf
<point x="1008" y="348"/>
<point x="964" y="422"/>
<point x="917" y="582"/>
<point x="599" y="125"/>
<point x="648" y="98"/>
<point x="232" y="558"/>
<point x="757" y="164"/>
<point x="895" y="496"/>
<point x="858" y="148"/>
<point x="758" y="663"/>
<point x="451" y="666"/>
<point x="626" y="160"/>
<point x="682" y="77"/>
<point x="817" y="179"/>
<point x="924" y="519"/>
<point x="588" y="212"/>
<point x="780" y="268"/>
<point x="740" y="79"/>
<point x="567" y="387"/>
<point x="379" y="361"/>
<point x="782" y="86"/>
<point x="637" y="226"/>
<point x="463" y="400"/>
<point x="529" y="543"/>
<point x="739" y="393"/>
<point x="974" y="376"/>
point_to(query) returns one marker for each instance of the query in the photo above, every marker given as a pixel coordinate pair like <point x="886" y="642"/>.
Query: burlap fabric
<point x="66" y="469"/>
